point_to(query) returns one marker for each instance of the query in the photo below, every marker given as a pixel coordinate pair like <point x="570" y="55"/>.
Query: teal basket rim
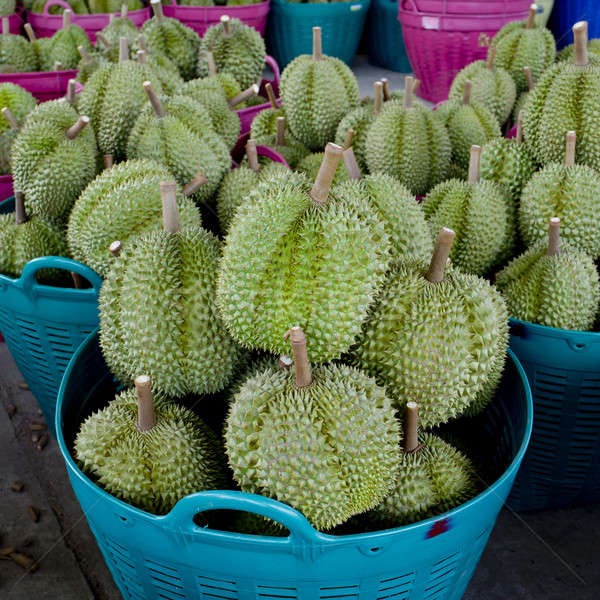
<point x="326" y="7"/>
<point x="547" y="331"/>
<point x="302" y="527"/>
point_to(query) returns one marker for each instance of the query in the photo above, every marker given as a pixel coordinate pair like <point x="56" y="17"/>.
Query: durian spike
<point x="210" y="61"/>
<point x="108" y="161"/>
<point x="124" y="10"/>
<point x="169" y="206"/>
<point x="29" y="31"/>
<point x="377" y="97"/>
<point x="226" y="22"/>
<point x="280" y="134"/>
<point x="411" y="427"/>
<point x="580" y="34"/>
<point x="71" y="98"/>
<point x="322" y="184"/>
<point x="157" y="9"/>
<point x="10" y="118"/>
<point x="519" y="136"/>
<point x="20" y="214"/>
<point x="466" y="97"/>
<point x="285" y="362"/>
<point x="85" y="57"/>
<point x="194" y="185"/>
<point x="416" y="86"/>
<point x="554" y="237"/>
<point x="243" y="96"/>
<point x="531" y="17"/>
<point x="529" y="78"/>
<point x="159" y="109"/>
<point x="298" y="342"/>
<point x="352" y="165"/>
<point x="387" y="92"/>
<point x="77" y="128"/>
<point x="474" y="164"/>
<point x="409" y="82"/>
<point x="317" y="44"/>
<point x="141" y="43"/>
<point x="66" y="18"/>
<point x="102" y="39"/>
<point x="146" y="415"/>
<point x="116" y="248"/>
<point x="252" y="155"/>
<point x="123" y="49"/>
<point x="5" y="26"/>
<point x="491" y="57"/>
<point x="271" y="95"/>
<point x="348" y="139"/>
<point x="57" y="66"/>
<point x="441" y="253"/>
<point x="571" y="140"/>
<point x="78" y="281"/>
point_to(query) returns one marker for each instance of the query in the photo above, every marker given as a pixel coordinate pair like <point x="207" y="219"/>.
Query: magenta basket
<point x="443" y="36"/>
<point x="200" y="18"/>
<point x="44" y="85"/>
<point x="46" y="25"/>
<point x="14" y="23"/>
<point x="6" y="187"/>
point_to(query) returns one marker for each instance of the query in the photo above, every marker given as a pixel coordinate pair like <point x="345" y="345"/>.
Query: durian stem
<point x="146" y="414"/>
<point x="116" y="248"/>
<point x="252" y="155"/>
<point x="377" y="97"/>
<point x="30" y="33"/>
<point x="466" y="97"/>
<point x="491" y="57"/>
<point x="243" y="96"/>
<point x="298" y="342"/>
<point x="280" y="133"/>
<point x="66" y="18"/>
<point x="322" y="184"/>
<point x="141" y="57"/>
<point x="20" y="214"/>
<point x="519" y="136"/>
<point x="529" y="78"/>
<point x="10" y="118"/>
<point x="408" y="90"/>
<point x="352" y="165"/>
<point x="71" y="98"/>
<point x="78" y="281"/>
<point x="84" y="55"/>
<point x="226" y="22"/>
<point x="210" y="61"/>
<point x="108" y="161"/>
<point x="554" y="237"/>
<point x="317" y="44"/>
<point x="411" y="427"/>
<point x="571" y="138"/>
<point x="387" y="92"/>
<point x="5" y="26"/>
<point x="531" y="17"/>
<point x="123" y="49"/>
<point x="77" y="128"/>
<point x="159" y="109"/>
<point x="157" y="9"/>
<point x="124" y="11"/>
<point x="348" y="139"/>
<point x="100" y="37"/>
<point x="474" y="162"/>
<point x="580" y="34"/>
<point x="58" y="66"/>
<point x="111" y="18"/>
<point x="141" y="43"/>
<point x="194" y="185"/>
<point x="170" y="211"/>
<point x="441" y="252"/>
<point x="416" y="86"/>
<point x="271" y="95"/>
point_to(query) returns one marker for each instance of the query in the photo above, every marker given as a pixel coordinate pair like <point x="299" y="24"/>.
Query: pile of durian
<point x="307" y="333"/>
<point x="86" y="7"/>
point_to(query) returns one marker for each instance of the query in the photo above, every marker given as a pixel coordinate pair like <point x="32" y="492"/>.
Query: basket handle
<point x="184" y="511"/>
<point x="52" y="3"/>
<point x="58" y="262"/>
<point x="272" y="154"/>
<point x="275" y="68"/>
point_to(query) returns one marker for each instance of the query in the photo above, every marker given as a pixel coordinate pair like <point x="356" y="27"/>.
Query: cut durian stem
<point x="146" y="414"/>
<point x="30" y="33"/>
<point x="85" y="57"/>
<point x="71" y="98"/>
<point x="123" y="49"/>
<point x="352" y="164"/>
<point x="571" y="141"/>
<point x="159" y="109"/>
<point x="348" y="139"/>
<point x="77" y="128"/>
<point x="416" y="86"/>
<point x="243" y="96"/>
<point x="102" y="39"/>
<point x="66" y="18"/>
<point x="474" y="164"/>
<point x="116" y="248"/>
<point x="298" y="343"/>
<point x="157" y="9"/>
<point x="271" y="95"/>
<point x="20" y="214"/>
<point x="142" y="57"/>
<point x="141" y="43"/>
<point x="79" y="282"/>
<point x="317" y="44"/>
<point x="10" y="118"/>
<point x="554" y="237"/>
<point x="441" y="253"/>
<point x="491" y="57"/>
<point x="378" y="97"/>
<point x="252" y="155"/>
<point x="408" y="91"/>
<point x="124" y="10"/>
<point x="322" y="184"/>
<point x="387" y="92"/>
<point x="194" y="185"/>
<point x="529" y="78"/>
<point x="531" y="17"/>
<point x="519" y="136"/>
<point x="170" y="211"/>
<point x="57" y="66"/>
<point x="285" y="362"/>
<point x="5" y="26"/>
<point x="411" y="427"/>
<point x="580" y="34"/>
<point x="466" y="97"/>
<point x="280" y="133"/>
<point x="108" y="161"/>
<point x="210" y="61"/>
<point x="226" y="22"/>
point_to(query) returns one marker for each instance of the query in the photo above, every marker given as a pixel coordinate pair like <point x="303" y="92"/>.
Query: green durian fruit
<point x="409" y="143"/>
<point x="309" y="166"/>
<point x="7" y="7"/>
<point x="119" y="204"/>
<point x="53" y="158"/>
<point x="522" y="43"/>
<point x="16" y="104"/>
<point x="567" y="54"/>
<point x="332" y="435"/>
<point x="173" y="39"/>
<point x="457" y="172"/>
<point x="569" y="192"/>
<point x="149" y="451"/>
<point x="88" y="64"/>
<point x="196" y="3"/>
<point x="434" y="335"/>
<point x="290" y="148"/>
<point x="433" y="477"/>
<point x="236" y="48"/>
<point x="16" y="55"/>
<point x="79" y="7"/>
<point x="23" y="239"/>
<point x="63" y="46"/>
<point x="178" y="133"/>
<point x="480" y="212"/>
<point x="40" y="46"/>
<point x="301" y="255"/>
<point x="317" y="92"/>
<point x="114" y="6"/>
<point x="552" y="284"/>
<point x="265" y="122"/>
<point x="493" y="86"/>
<point x="118" y="28"/>
<point x="566" y="99"/>
<point x="523" y="96"/>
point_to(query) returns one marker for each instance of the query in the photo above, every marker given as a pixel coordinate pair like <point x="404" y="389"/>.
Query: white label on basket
<point x="431" y="22"/>
<point x="355" y="7"/>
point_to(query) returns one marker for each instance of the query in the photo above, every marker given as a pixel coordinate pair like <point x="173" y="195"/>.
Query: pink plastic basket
<point x="6" y="187"/>
<point x="443" y="36"/>
<point x="46" y="25"/>
<point x="15" y="22"/>
<point x="200" y="18"/>
<point x="44" y="85"/>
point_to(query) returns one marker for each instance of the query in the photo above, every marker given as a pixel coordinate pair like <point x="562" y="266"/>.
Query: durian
<point x="165" y="70"/>
<point x="324" y="442"/>
<point x="265" y="122"/>
<point x="523" y="96"/>
<point x="120" y="27"/>
<point x="39" y="46"/>
<point x="552" y="284"/>
<point x="16" y="104"/>
<point x="16" y="55"/>
<point x="567" y="54"/>
<point x="310" y="165"/>
<point x="293" y="151"/>
<point x="88" y="64"/>
<point x="63" y="45"/>
<point x="7" y="7"/>
<point x="114" y="6"/>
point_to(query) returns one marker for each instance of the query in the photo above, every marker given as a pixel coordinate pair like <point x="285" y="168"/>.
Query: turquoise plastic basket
<point x="289" y="29"/>
<point x="43" y="325"/>
<point x="384" y="37"/>
<point x="157" y="557"/>
<point x="562" y="465"/>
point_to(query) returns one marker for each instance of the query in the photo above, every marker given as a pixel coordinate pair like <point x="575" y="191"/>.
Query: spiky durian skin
<point x="311" y="163"/>
<point x="79" y="7"/>
<point x="184" y="141"/>
<point x="86" y="69"/>
<point x="317" y="94"/>
<point x="569" y="193"/>
<point x="6" y="141"/>
<point x="152" y="469"/>
<point x="113" y="6"/>
<point x="519" y="105"/>
<point x="119" y="204"/>
<point x="494" y="88"/>
<point x="559" y="291"/>
<point x="467" y="126"/>
<point x="167" y="324"/>
<point x="265" y="122"/>
<point x="293" y="150"/>
<point x="7" y="7"/>
<point x="329" y="449"/>
<point x="19" y="100"/>
<point x="568" y="52"/>
<point x="508" y="163"/>
<point x="430" y="481"/>
<point x="16" y="55"/>
<point x="50" y="169"/>
<point x="288" y="261"/>
<point x="63" y="48"/>
<point x="359" y="120"/>
<point x="176" y="41"/>
<point x="564" y="99"/>
<point x="121" y="27"/>
<point x="433" y="343"/>
<point x="396" y="208"/>
<point x="240" y="52"/>
<point x="411" y="145"/>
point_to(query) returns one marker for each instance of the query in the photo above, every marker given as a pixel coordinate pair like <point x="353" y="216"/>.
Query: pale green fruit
<point x="16" y="54"/>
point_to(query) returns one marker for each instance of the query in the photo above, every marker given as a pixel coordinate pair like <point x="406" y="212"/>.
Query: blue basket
<point x="568" y="12"/>
<point x="156" y="557"/>
<point x="384" y="37"/>
<point x="562" y="465"/>
<point x="289" y="29"/>
<point x="44" y="325"/>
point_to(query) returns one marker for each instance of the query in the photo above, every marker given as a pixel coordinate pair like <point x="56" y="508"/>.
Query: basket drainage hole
<point x="579" y="346"/>
<point x="375" y="549"/>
